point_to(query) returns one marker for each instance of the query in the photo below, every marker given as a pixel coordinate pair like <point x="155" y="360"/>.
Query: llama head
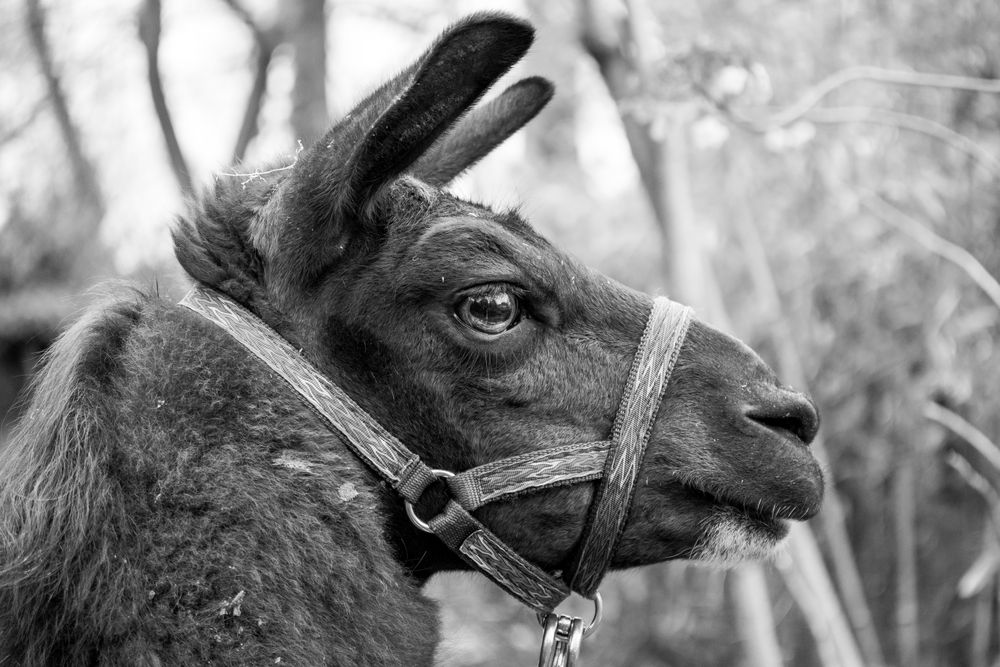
<point x="472" y="339"/>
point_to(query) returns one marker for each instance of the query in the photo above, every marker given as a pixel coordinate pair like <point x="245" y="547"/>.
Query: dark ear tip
<point x="502" y="20"/>
<point x="537" y="87"/>
<point x="512" y="30"/>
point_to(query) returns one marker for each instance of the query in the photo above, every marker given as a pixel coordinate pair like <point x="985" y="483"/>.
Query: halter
<point x="615" y="463"/>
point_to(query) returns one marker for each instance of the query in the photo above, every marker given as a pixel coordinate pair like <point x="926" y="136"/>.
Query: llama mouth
<point x="769" y="518"/>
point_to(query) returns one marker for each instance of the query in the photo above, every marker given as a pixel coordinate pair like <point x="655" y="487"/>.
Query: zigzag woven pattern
<point x="651" y="368"/>
<point x="542" y="469"/>
<point x="512" y="573"/>
<point x="366" y="437"/>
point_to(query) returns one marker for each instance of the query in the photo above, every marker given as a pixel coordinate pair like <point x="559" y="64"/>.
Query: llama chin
<point x="733" y="536"/>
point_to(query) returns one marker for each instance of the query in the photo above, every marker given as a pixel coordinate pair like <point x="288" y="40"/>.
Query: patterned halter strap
<point x="615" y="463"/>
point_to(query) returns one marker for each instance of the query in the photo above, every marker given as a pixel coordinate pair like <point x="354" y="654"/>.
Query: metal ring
<point x="410" y="512"/>
<point x="595" y="622"/>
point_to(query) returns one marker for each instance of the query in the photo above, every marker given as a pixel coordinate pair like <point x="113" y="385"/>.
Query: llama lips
<point x="772" y="515"/>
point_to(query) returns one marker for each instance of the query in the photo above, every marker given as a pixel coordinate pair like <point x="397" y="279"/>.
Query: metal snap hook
<point x="561" y="641"/>
<point x="595" y="620"/>
<point x="410" y="512"/>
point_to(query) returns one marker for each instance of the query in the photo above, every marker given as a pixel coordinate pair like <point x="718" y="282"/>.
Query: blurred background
<point x="819" y="178"/>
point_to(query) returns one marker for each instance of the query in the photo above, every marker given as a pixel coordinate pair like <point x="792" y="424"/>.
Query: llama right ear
<point x="483" y="129"/>
<point x="333" y="183"/>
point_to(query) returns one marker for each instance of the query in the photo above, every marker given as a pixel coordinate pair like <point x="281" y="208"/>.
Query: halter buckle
<point x="562" y="635"/>
<point x="412" y="513"/>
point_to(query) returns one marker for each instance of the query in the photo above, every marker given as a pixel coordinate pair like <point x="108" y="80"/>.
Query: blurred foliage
<point x="883" y="325"/>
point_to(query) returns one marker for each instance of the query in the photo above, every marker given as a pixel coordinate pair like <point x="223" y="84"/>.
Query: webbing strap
<point x="651" y="368"/>
<point x="365" y="436"/>
<point x="485" y="552"/>
<point x="534" y="471"/>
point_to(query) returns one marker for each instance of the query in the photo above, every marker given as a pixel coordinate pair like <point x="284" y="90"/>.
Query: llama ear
<point x="385" y="134"/>
<point x="483" y="129"/>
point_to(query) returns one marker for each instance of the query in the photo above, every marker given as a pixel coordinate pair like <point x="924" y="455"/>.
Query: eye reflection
<point x="492" y="311"/>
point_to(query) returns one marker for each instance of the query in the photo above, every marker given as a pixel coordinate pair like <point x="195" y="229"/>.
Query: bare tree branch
<point x="803" y="110"/>
<point x="265" y="41"/>
<point x="960" y="464"/>
<point x="811" y="97"/>
<point x="941" y="247"/>
<point x="981" y="453"/>
<point x="980" y="580"/>
<point x="149" y="33"/>
<point x="930" y="128"/>
<point x="84" y="173"/>
<point x="13" y="132"/>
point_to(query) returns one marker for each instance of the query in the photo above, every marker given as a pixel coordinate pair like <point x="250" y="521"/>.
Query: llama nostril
<point x="787" y="411"/>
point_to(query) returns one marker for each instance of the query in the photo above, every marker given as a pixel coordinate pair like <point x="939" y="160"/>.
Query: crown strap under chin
<point x="652" y="365"/>
<point x="484" y="551"/>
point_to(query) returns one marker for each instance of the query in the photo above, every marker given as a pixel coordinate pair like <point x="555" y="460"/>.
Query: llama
<point x="171" y="499"/>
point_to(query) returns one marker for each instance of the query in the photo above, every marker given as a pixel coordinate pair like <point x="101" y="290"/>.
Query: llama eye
<point x="490" y="312"/>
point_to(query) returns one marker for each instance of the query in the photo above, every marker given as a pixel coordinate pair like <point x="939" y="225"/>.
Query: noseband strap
<point x="616" y="463"/>
<point x="651" y="368"/>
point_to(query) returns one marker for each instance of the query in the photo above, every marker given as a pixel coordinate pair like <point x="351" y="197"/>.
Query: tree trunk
<point x="307" y="34"/>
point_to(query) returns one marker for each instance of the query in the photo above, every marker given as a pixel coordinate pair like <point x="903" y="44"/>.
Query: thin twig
<point x="250" y="176"/>
<point x="941" y="247"/>
<point x="961" y="464"/>
<point x="13" y="132"/>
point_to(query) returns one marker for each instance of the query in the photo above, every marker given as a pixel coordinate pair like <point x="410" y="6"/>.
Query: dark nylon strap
<point x="382" y="452"/>
<point x="534" y="471"/>
<point x="484" y="551"/>
<point x="651" y="368"/>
